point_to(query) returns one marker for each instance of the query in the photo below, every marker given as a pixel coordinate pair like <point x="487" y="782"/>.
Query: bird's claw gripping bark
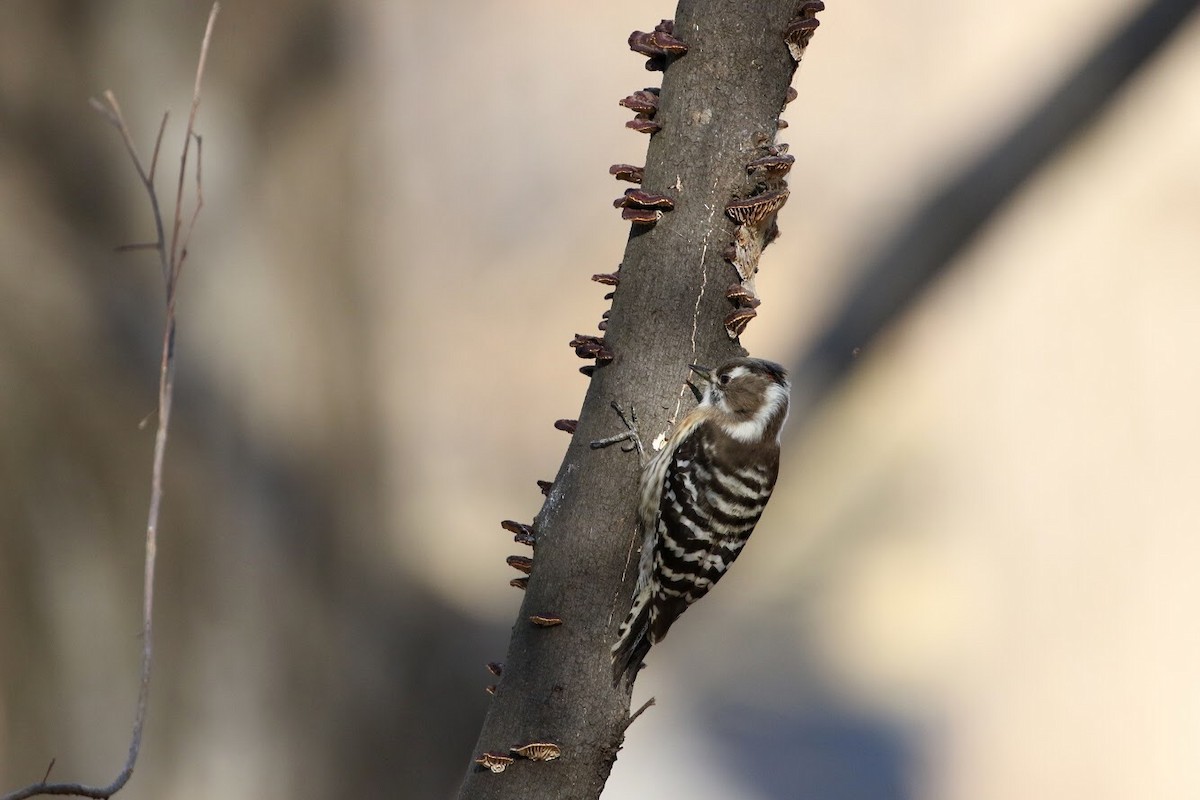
<point x="630" y="434"/>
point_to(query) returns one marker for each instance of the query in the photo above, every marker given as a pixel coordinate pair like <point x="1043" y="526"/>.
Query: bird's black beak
<point x="703" y="372"/>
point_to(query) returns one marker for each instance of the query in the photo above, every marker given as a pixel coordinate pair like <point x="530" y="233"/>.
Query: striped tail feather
<point x="634" y="640"/>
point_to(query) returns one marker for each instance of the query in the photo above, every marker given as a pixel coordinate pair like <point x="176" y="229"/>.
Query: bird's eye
<point x="724" y="379"/>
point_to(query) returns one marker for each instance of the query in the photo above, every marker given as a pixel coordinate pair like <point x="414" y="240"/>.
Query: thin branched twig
<point x="642" y="710"/>
<point x="171" y="258"/>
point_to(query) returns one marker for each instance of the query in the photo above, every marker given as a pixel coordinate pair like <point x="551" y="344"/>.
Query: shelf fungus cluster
<point x="659" y="45"/>
<point x="497" y="762"/>
<point x="755" y="217"/>
<point x="800" y="30"/>
<point x="641" y="207"/>
<point x="526" y="535"/>
<point x="607" y="279"/>
<point x="644" y="104"/>
<point x="638" y="205"/>
<point x="496" y="669"/>
<point x="755" y="212"/>
<point x="522" y="534"/>
<point x="588" y="346"/>
<point x="591" y="347"/>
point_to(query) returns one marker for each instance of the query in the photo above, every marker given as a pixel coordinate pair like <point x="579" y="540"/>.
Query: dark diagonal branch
<point x="926" y="244"/>
<point x="171" y="256"/>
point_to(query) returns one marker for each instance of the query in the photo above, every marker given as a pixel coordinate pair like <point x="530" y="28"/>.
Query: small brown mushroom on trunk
<point x="496" y="762"/>
<point x="800" y="30"/>
<point x="667" y="43"/>
<point x="627" y="172"/>
<point x="641" y="216"/>
<point x="756" y="209"/>
<point x="774" y="166"/>
<point x="644" y="101"/>
<point x="520" y="563"/>
<point x="737" y="320"/>
<point x="640" y="198"/>
<point x="640" y="43"/>
<point x="643" y="124"/>
<point x="538" y="751"/>
<point x="587" y="346"/>
<point x="742" y="297"/>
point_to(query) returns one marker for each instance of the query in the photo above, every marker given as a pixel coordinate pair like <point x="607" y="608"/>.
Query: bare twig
<point x="112" y="113"/>
<point x="642" y="710"/>
<point x="171" y="265"/>
<point x="162" y="128"/>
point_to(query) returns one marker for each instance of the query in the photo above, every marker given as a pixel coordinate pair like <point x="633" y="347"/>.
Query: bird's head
<point x="749" y="395"/>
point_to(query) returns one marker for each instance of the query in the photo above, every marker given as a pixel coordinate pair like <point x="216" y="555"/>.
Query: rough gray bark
<point x="719" y="103"/>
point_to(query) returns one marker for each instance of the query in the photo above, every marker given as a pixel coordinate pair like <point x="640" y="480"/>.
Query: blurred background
<point x="975" y="580"/>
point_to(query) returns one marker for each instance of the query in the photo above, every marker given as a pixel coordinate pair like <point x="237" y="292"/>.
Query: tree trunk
<point x="719" y="104"/>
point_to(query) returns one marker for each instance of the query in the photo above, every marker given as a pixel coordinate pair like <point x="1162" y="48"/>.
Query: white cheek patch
<point x="751" y="430"/>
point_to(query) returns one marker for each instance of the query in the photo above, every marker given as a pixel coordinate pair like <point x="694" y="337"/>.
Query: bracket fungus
<point x="742" y="296"/>
<point x="627" y="172"/>
<point x="771" y="165"/>
<point x="640" y="198"/>
<point x="587" y="346"/>
<point x="756" y="209"/>
<point x="522" y="534"/>
<point x="641" y="216"/>
<point x="658" y="45"/>
<point x="642" y="207"/>
<point x="643" y="101"/>
<point x="755" y="218"/>
<point x="496" y="762"/>
<point x="643" y="124"/>
<point x="737" y="320"/>
<point x="520" y="563"/>
<point x="538" y="751"/>
<point x="800" y="30"/>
